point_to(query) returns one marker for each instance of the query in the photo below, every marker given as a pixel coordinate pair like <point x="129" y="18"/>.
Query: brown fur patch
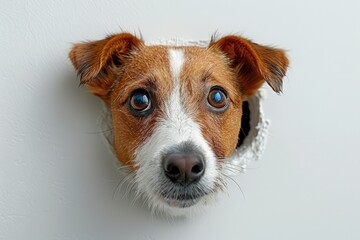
<point x="150" y="70"/>
<point x="202" y="70"/>
<point x="253" y="63"/>
<point x="98" y="63"/>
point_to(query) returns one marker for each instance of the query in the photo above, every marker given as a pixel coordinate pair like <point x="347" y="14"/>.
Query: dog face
<point x="176" y="111"/>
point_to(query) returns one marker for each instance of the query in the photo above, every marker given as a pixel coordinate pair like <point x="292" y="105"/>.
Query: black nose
<point x="184" y="168"/>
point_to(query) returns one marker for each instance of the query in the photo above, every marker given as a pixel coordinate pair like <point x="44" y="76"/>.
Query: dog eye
<point x="218" y="99"/>
<point x="140" y="101"/>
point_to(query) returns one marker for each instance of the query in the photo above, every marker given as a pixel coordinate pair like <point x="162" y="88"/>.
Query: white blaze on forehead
<point x="179" y="122"/>
<point x="174" y="127"/>
<point x="176" y="63"/>
<point x="174" y="109"/>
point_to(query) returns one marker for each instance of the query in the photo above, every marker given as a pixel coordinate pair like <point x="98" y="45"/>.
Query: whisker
<point x="235" y="183"/>
<point x="98" y="132"/>
<point x="123" y="166"/>
<point x="246" y="167"/>
<point x="238" y="169"/>
<point x="122" y="181"/>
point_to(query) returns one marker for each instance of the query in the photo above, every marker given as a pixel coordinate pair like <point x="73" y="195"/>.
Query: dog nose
<point x="184" y="168"/>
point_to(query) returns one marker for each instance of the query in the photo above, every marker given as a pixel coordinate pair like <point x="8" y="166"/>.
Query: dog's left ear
<point x="99" y="62"/>
<point x="253" y="63"/>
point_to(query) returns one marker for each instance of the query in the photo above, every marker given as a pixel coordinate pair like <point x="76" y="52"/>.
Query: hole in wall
<point x="245" y="124"/>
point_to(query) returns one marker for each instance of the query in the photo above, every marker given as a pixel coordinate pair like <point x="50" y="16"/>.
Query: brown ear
<point x="253" y="63"/>
<point x="99" y="62"/>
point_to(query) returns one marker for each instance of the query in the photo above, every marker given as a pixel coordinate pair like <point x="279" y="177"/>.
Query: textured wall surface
<point x="57" y="178"/>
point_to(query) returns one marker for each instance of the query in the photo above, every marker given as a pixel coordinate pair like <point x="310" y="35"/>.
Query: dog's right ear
<point x="98" y="63"/>
<point x="253" y="63"/>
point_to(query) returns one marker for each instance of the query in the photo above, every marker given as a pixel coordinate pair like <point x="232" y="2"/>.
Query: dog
<point x="176" y="111"/>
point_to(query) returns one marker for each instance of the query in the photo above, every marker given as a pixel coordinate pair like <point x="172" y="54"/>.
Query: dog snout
<point x="184" y="168"/>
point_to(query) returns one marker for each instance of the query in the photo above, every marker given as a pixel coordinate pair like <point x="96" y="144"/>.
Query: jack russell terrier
<point x="176" y="111"/>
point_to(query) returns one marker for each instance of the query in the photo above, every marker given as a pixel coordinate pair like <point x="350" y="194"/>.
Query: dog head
<point x="176" y="111"/>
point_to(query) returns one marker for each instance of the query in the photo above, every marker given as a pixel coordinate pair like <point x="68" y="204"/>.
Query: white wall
<point x="57" y="177"/>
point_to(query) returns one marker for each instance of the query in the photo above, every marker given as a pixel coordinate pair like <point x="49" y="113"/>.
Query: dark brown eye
<point x="217" y="99"/>
<point x="140" y="101"/>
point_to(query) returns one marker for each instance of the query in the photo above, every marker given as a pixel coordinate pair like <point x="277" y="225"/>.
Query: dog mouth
<point x="183" y="200"/>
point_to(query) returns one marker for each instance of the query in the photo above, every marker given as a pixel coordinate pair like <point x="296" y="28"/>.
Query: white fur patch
<point x="175" y="127"/>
